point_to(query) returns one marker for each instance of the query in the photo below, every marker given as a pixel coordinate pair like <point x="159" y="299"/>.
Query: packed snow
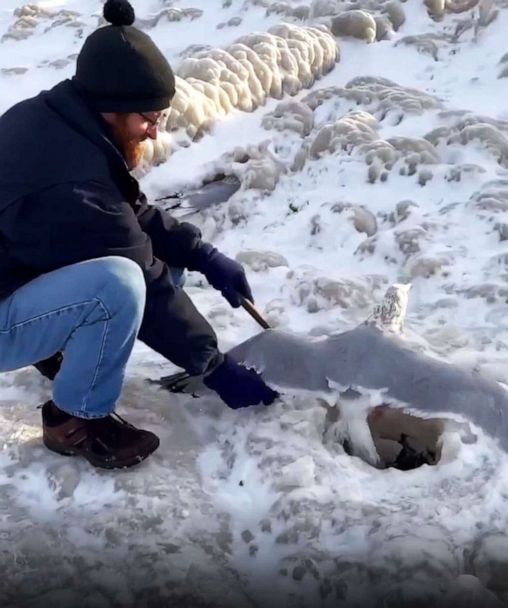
<point x="371" y="141"/>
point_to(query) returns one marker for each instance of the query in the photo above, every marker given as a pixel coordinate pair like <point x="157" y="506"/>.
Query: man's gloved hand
<point x="226" y="275"/>
<point x="238" y="386"/>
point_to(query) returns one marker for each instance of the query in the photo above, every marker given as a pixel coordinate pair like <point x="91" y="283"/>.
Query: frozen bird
<point x="389" y="315"/>
<point x="367" y="367"/>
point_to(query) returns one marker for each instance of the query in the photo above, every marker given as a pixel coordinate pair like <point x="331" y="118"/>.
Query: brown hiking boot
<point x="108" y="443"/>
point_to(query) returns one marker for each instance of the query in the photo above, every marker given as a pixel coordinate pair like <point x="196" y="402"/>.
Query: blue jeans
<point x="92" y="312"/>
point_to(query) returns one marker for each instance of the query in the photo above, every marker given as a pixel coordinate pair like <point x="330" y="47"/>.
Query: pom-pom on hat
<point x="120" y="69"/>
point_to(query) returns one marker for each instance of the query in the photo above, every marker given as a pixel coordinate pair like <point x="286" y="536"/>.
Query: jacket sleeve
<point x="178" y="244"/>
<point x="70" y="223"/>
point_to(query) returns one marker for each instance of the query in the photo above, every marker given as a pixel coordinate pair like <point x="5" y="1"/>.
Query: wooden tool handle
<point x="254" y="313"/>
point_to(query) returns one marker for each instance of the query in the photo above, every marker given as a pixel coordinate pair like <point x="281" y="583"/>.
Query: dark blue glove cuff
<point x="223" y="273"/>
<point x="200" y="256"/>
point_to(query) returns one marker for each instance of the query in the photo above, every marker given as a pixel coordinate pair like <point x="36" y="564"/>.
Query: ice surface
<point x="262" y="507"/>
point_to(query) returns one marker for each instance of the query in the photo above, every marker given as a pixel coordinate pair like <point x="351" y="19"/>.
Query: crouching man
<point x="85" y="260"/>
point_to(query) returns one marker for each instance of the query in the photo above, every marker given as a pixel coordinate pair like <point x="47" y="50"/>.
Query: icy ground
<point x="254" y="508"/>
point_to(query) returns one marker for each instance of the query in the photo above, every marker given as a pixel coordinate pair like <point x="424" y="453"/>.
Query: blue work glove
<point x="238" y="386"/>
<point x="225" y="274"/>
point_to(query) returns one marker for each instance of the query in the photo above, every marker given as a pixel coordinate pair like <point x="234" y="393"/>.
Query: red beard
<point x="132" y="149"/>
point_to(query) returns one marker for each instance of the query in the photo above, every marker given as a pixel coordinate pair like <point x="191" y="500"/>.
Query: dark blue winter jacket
<point x="66" y="196"/>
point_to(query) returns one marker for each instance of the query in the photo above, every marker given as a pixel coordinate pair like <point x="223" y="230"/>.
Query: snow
<point x="261" y="507"/>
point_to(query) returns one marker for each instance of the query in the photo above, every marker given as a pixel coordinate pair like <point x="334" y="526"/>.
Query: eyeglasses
<point x="154" y="122"/>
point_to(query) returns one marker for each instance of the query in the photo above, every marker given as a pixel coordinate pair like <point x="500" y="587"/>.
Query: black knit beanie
<point x="119" y="67"/>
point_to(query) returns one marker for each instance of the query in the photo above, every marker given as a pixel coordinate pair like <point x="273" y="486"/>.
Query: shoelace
<point x="122" y="420"/>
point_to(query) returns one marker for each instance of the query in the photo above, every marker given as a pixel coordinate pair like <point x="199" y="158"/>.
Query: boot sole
<point x="99" y="462"/>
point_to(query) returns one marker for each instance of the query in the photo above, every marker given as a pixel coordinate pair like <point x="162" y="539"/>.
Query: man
<point x="85" y="261"/>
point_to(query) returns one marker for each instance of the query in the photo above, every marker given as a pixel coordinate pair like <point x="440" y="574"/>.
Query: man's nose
<point x="152" y="131"/>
